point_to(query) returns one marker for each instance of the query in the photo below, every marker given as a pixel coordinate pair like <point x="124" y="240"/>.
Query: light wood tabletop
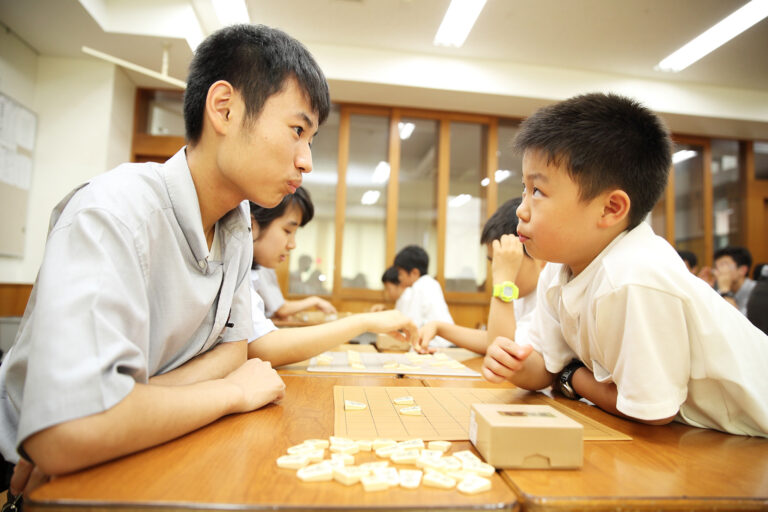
<point x="670" y="467"/>
<point x="230" y="464"/>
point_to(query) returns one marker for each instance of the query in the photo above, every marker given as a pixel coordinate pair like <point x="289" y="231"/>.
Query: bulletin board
<point x="18" y="129"/>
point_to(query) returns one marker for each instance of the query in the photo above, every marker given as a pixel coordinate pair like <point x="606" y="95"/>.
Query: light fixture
<point x="683" y="155"/>
<point x="405" y="129"/>
<point x="485" y="181"/>
<point x="501" y="174"/>
<point x="231" y="12"/>
<point x="459" y="201"/>
<point x="381" y="173"/>
<point x="370" y="197"/>
<point x="457" y="22"/>
<point x="322" y="278"/>
<point x="722" y="32"/>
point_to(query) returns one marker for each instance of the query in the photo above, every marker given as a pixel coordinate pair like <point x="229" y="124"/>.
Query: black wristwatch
<point x="564" y="379"/>
<point x="728" y="294"/>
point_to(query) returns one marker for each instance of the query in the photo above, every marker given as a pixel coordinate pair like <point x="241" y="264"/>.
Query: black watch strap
<point x="564" y="380"/>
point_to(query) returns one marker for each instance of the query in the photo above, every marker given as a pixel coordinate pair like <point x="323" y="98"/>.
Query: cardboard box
<point x="526" y="436"/>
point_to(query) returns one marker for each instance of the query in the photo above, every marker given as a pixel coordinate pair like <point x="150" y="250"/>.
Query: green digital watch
<point x="506" y="291"/>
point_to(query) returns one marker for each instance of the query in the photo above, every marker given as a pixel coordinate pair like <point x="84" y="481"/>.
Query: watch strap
<point x="564" y="380"/>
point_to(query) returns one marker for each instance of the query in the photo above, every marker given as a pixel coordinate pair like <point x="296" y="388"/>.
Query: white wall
<point x="84" y="123"/>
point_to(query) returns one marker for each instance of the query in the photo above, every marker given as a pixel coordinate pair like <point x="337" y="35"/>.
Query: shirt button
<point x="201" y="263"/>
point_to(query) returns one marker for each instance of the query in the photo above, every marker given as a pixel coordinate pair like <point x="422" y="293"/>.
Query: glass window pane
<point x="657" y="218"/>
<point x="761" y="160"/>
<point x="465" y="263"/>
<point x="166" y="113"/>
<point x="726" y="188"/>
<point x="365" y="229"/>
<point x="689" y="201"/>
<point x="509" y="177"/>
<point x="311" y="263"/>
<point x="417" y="193"/>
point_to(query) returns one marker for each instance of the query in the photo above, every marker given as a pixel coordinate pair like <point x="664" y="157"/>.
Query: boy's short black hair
<point x="390" y="276"/>
<point x="411" y="257"/>
<point x="740" y="255"/>
<point x="256" y="60"/>
<point x="502" y="222"/>
<point x="301" y="199"/>
<point x="689" y="257"/>
<point x="605" y="141"/>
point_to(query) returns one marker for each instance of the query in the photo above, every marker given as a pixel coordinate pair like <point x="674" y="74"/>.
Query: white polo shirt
<point x="636" y="317"/>
<point x="261" y="324"/>
<point x="126" y="290"/>
<point x="426" y="303"/>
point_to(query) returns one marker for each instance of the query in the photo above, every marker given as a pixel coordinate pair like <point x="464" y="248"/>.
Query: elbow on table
<point x="57" y="450"/>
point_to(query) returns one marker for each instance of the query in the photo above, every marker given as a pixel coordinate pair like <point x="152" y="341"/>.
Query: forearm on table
<point x="286" y="346"/>
<point x="290" y="307"/>
<point x="604" y="395"/>
<point x="149" y="415"/>
<point x="465" y="337"/>
<point x="216" y="363"/>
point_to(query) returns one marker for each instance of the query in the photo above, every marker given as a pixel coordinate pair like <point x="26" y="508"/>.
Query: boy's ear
<point x="218" y="105"/>
<point x="616" y="205"/>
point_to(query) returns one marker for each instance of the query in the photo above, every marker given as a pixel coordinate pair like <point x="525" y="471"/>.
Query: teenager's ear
<point x="616" y="205"/>
<point x="218" y="105"/>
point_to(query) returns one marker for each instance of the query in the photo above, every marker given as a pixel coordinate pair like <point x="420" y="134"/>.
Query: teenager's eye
<point x="299" y="130"/>
<point x="537" y="192"/>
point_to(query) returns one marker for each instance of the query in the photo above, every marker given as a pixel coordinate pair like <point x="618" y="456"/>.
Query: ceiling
<point x="620" y="37"/>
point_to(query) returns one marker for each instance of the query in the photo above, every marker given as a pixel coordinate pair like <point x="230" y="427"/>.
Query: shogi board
<point x="374" y="363"/>
<point x="445" y="413"/>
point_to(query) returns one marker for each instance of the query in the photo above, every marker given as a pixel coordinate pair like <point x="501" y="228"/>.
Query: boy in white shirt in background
<point x="515" y="275"/>
<point x="423" y="299"/>
<point x="619" y="320"/>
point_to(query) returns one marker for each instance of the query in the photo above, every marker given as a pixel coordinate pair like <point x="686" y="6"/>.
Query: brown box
<point x="526" y="436"/>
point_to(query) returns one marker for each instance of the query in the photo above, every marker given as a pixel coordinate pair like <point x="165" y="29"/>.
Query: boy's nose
<point x="303" y="160"/>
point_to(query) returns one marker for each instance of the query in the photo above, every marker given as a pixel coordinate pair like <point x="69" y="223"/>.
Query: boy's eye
<point x="299" y="130"/>
<point x="536" y="192"/>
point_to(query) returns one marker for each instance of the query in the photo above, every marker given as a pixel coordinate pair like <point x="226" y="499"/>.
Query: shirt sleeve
<point x="270" y="292"/>
<point x="545" y="332"/>
<point x="88" y="334"/>
<point x="261" y="324"/>
<point x="240" y="314"/>
<point x="643" y="345"/>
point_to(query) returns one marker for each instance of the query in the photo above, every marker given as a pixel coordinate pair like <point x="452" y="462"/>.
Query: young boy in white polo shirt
<point x="619" y="319"/>
<point x="136" y="331"/>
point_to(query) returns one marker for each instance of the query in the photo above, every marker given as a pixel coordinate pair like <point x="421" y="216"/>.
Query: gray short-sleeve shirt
<point x="126" y="290"/>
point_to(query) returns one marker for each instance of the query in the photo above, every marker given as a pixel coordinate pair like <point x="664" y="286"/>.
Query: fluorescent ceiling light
<point x="381" y="173"/>
<point x="370" y="197"/>
<point x="457" y="22"/>
<point x="405" y="129"/>
<point x="501" y="174"/>
<point x="459" y="201"/>
<point x="484" y="182"/>
<point x="718" y="35"/>
<point x="683" y="155"/>
<point x="231" y="12"/>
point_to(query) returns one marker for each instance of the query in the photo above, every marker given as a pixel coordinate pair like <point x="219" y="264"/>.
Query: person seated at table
<point x="273" y="231"/>
<point x="515" y="275"/>
<point x="424" y="301"/>
<point x="268" y="254"/>
<point x="393" y="290"/>
<point x="619" y="320"/>
<point x="690" y="259"/>
<point x="137" y="326"/>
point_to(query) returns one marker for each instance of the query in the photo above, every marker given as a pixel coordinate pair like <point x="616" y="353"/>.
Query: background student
<point x="393" y="290"/>
<point x="423" y="301"/>
<point x="273" y="231"/>
<point x="730" y="275"/>
<point x="619" y="319"/>
<point x="136" y="329"/>
<point x="270" y="253"/>
<point x="515" y="275"/>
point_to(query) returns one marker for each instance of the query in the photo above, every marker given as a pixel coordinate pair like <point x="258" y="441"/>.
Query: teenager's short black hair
<point x="740" y="255"/>
<point x="502" y="222"/>
<point x="390" y="276"/>
<point x="604" y="141"/>
<point x="411" y="257"/>
<point x="690" y="257"/>
<point x="256" y="60"/>
<point x="301" y="199"/>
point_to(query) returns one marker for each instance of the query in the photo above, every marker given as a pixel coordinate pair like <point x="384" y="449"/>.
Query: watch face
<point x="508" y="291"/>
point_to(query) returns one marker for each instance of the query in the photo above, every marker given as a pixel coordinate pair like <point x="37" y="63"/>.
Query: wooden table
<point x="230" y="464"/>
<point x="671" y="467"/>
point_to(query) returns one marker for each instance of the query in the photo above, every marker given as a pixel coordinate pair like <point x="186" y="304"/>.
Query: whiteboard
<point x="18" y="130"/>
